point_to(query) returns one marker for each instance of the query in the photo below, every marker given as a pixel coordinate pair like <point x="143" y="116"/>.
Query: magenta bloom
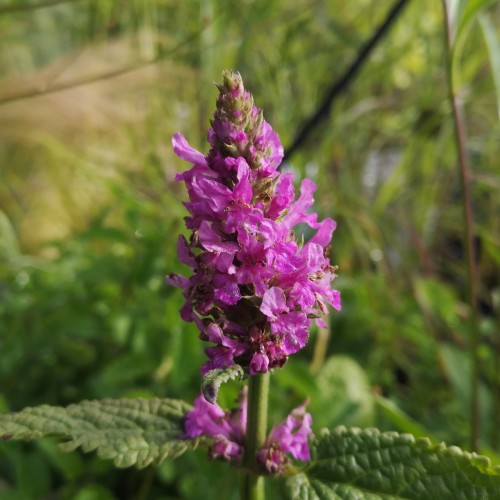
<point x="254" y="289"/>
<point x="227" y="428"/>
<point x="289" y="437"/>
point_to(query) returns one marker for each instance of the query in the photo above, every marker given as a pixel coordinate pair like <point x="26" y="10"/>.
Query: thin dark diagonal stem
<point x="340" y="85"/>
<point x="24" y="7"/>
<point x="472" y="275"/>
<point x="52" y="89"/>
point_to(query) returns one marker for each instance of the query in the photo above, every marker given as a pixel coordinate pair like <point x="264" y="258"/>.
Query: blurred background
<point x="91" y="92"/>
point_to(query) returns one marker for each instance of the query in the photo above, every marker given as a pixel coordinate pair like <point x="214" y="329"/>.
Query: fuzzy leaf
<point x="215" y="378"/>
<point x="128" y="431"/>
<point x="367" y="464"/>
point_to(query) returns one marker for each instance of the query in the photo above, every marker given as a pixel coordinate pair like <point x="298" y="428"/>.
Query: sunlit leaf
<point x="344" y="395"/>
<point x="468" y="12"/>
<point x="493" y="45"/>
<point x="461" y="15"/>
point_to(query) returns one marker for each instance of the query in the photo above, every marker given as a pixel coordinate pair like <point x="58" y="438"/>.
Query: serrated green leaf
<point x="128" y="431"/>
<point x="212" y="381"/>
<point x="367" y="464"/>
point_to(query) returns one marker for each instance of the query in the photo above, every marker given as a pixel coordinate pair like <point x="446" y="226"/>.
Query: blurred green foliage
<point x="89" y="217"/>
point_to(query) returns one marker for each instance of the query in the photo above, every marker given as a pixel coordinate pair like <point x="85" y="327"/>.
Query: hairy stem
<point x="252" y="484"/>
<point x="465" y="172"/>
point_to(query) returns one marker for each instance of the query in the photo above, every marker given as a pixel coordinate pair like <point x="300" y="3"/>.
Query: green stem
<point x="252" y="483"/>
<point x="495" y="428"/>
<point x="465" y="174"/>
<point x="320" y="350"/>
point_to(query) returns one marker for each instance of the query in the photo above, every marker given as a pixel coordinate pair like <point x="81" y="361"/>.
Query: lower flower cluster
<point x="227" y="428"/>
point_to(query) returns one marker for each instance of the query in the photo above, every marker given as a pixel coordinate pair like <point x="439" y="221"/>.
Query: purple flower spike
<point x="254" y="289"/>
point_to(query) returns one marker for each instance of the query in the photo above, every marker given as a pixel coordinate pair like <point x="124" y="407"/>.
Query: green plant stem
<point x="464" y="168"/>
<point x="495" y="428"/>
<point x="320" y="350"/>
<point x="252" y="483"/>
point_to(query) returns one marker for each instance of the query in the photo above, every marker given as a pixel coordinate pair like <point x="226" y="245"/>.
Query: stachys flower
<point x="255" y="289"/>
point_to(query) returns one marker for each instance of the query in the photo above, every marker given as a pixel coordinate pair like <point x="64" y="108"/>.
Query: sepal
<point x="212" y="381"/>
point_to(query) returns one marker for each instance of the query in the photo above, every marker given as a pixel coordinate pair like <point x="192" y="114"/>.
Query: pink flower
<point x="292" y="327"/>
<point x="227" y="430"/>
<point x="291" y="437"/>
<point x="225" y="350"/>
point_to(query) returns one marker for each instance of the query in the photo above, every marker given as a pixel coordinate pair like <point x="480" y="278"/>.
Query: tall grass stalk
<point x="465" y="174"/>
